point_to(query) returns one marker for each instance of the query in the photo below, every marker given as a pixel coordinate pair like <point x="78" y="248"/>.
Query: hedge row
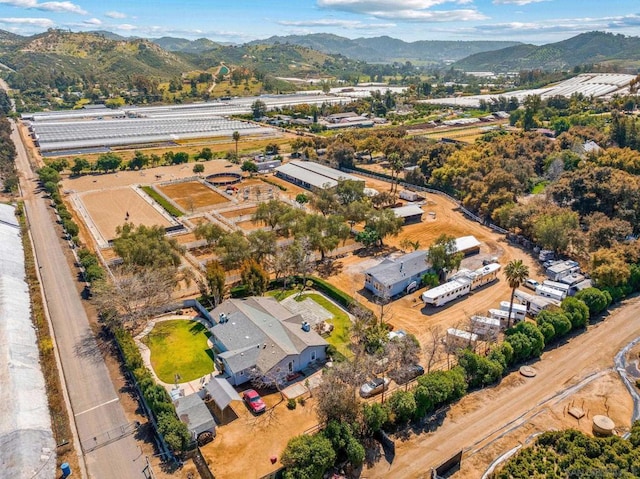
<point x="48" y="177"/>
<point x="91" y="265"/>
<point x="273" y="183"/>
<point x="173" y="430"/>
<point x="162" y="201"/>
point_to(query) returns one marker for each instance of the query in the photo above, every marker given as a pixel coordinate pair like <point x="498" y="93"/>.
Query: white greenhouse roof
<point x="27" y="447"/>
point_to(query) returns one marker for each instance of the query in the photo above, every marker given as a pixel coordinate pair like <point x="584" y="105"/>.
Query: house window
<point x="313" y="355"/>
<point x="241" y="373"/>
<point x="290" y="366"/>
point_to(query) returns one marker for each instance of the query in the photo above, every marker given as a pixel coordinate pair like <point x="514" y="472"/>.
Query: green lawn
<point x="179" y="347"/>
<point x="539" y="188"/>
<point x="339" y="337"/>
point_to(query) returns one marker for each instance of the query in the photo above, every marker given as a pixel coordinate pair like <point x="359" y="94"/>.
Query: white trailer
<point x="548" y="292"/>
<point x="557" y="285"/>
<point x="533" y="302"/>
<point x="441" y="295"/>
<point x="460" y="339"/>
<point x="518" y="310"/>
<point x="503" y="317"/>
<point x="485" y="327"/>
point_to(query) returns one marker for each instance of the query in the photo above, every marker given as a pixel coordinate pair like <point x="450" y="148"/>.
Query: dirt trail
<point x="485" y="413"/>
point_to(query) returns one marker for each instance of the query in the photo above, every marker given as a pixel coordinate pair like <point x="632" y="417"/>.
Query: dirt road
<point x="485" y="415"/>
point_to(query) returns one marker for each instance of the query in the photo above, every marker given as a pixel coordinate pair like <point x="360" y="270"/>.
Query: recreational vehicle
<point x="459" y="339"/>
<point x="548" y="292"/>
<point x="557" y="285"/>
<point x="518" y="310"/>
<point x="485" y="327"/>
<point x="446" y="292"/>
<point x="560" y="269"/>
<point x="503" y="317"/>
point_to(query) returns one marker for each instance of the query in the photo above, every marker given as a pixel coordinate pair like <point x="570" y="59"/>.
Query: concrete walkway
<point x="185" y="388"/>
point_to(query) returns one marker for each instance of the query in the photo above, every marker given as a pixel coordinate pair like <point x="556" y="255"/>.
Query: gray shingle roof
<point x="392" y="271"/>
<point x="406" y="211"/>
<point x="260" y="332"/>
<point x="222" y="392"/>
<point x="194" y="413"/>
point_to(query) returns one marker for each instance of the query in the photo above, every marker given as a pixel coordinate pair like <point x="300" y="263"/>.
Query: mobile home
<point x="560" y="269"/>
<point x="518" y="310"/>
<point x="503" y="317"/>
<point x="533" y="302"/>
<point x="550" y="293"/>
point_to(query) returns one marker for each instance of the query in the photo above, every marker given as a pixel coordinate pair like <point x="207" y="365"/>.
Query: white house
<point x="258" y="335"/>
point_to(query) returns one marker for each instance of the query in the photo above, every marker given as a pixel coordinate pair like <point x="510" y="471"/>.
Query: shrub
<point x="307" y="457"/>
<point x="480" y="371"/>
<point x="527" y="341"/>
<point x="402" y="405"/>
<point x="596" y="300"/>
<point x="374" y="416"/>
<point x="162" y="201"/>
<point x="291" y="404"/>
<point x="576" y="310"/>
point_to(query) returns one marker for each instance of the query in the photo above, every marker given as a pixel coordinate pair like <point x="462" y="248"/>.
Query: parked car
<point x="373" y="387"/>
<point x="254" y="401"/>
<point x="408" y="373"/>
<point x="531" y="283"/>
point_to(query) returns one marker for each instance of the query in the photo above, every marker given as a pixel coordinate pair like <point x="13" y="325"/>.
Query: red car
<point x="254" y="401"/>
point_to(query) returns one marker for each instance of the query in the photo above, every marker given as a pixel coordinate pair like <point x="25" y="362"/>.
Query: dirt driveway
<point x="408" y="312"/>
<point x="508" y="411"/>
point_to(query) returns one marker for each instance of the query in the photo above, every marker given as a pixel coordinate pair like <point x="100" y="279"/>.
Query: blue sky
<point x="532" y="21"/>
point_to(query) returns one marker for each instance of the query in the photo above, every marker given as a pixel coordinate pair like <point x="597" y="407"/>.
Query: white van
<point x="531" y="283"/>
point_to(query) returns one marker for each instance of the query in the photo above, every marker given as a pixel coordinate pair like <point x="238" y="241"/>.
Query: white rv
<point x="446" y="292"/>
<point x="459" y="339"/>
<point x="550" y="293"/>
<point x="485" y="327"/>
<point x="503" y="317"/>
<point x="519" y="311"/>
<point x="560" y="286"/>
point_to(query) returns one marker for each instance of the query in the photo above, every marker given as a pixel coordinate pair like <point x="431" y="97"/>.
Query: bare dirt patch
<point x="108" y="210"/>
<point x="239" y="212"/>
<point x="243" y="448"/>
<point x="191" y="195"/>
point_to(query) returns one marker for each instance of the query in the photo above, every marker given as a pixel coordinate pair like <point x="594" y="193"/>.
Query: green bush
<point x="162" y="201"/>
<point x="241" y="291"/>
<point x="291" y="404"/>
<point x="273" y="183"/>
<point x="596" y="300"/>
<point x="402" y="405"/>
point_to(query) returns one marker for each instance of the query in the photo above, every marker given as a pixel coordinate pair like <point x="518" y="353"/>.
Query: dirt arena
<point x="108" y="210"/>
<point x="192" y="195"/>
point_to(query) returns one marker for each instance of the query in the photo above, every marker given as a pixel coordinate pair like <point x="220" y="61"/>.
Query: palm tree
<point x="236" y="138"/>
<point x="516" y="272"/>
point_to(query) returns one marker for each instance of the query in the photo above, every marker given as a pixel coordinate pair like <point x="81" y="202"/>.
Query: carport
<point x="219" y="396"/>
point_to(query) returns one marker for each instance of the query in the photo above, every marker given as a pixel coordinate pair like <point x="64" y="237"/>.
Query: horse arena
<point x="104" y="210"/>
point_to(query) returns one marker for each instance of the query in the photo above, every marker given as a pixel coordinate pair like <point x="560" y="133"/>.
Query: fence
<point x="424" y="189"/>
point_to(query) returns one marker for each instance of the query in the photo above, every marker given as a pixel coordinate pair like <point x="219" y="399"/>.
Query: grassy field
<point x="179" y="347"/>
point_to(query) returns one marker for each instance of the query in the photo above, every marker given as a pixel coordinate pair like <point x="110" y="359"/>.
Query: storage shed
<point x="194" y="413"/>
<point x="410" y="213"/>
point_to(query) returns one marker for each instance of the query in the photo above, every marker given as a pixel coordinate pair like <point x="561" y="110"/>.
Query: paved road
<point x="484" y="416"/>
<point x="105" y="436"/>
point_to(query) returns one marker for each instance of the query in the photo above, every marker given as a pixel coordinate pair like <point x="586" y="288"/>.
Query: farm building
<point x="459" y="339"/>
<point x="409" y="195"/>
<point x="221" y="394"/>
<point x="468" y="245"/>
<point x="312" y="175"/>
<point x="258" y="335"/>
<point x="461" y="284"/>
<point x="194" y="413"/>
<point x="410" y="213"/>
<point x="396" y="276"/>
<point x="560" y="269"/>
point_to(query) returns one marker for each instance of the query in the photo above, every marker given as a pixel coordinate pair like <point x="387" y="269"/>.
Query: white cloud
<point x="68" y="7"/>
<point x="114" y="14"/>
<point x="517" y="2"/>
<point x="36" y="22"/>
<point x="406" y="10"/>
<point x="126" y="27"/>
<point x="329" y="22"/>
<point x="93" y="22"/>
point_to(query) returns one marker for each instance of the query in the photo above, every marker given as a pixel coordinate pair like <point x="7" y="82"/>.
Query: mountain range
<point x="584" y="49"/>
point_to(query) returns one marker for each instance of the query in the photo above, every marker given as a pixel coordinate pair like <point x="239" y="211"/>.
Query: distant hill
<point x="388" y="50"/>
<point x="42" y="58"/>
<point x="583" y="49"/>
<point x="172" y="44"/>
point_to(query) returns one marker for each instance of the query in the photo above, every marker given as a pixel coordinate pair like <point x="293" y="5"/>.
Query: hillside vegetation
<point x="586" y="48"/>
